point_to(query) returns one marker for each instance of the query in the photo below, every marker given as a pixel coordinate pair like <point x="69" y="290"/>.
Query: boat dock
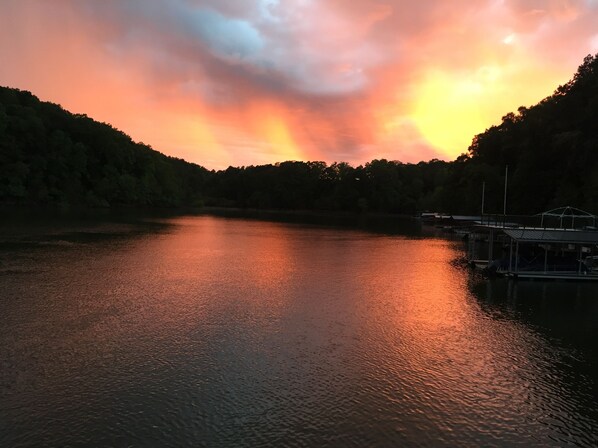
<point x="562" y="245"/>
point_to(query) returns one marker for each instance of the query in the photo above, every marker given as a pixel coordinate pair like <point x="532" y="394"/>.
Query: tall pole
<point x="483" y="194"/>
<point x="506" y="179"/>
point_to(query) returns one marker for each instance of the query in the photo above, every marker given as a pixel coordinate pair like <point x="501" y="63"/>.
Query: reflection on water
<point x="228" y="332"/>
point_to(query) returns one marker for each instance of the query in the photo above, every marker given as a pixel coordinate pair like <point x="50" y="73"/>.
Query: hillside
<point x="551" y="149"/>
<point x="51" y="156"/>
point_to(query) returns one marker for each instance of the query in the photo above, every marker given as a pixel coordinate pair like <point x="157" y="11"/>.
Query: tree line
<point x="50" y="156"/>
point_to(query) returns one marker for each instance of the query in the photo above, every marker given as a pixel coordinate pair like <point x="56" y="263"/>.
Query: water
<point x="227" y="332"/>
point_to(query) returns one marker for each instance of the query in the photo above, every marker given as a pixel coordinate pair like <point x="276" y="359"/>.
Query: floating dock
<point x="565" y="252"/>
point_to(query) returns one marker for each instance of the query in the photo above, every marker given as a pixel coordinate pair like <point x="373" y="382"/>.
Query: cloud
<point x="178" y="22"/>
<point x="225" y="36"/>
<point x="256" y="81"/>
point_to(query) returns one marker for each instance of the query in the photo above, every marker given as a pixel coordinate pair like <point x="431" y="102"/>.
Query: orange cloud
<point x="237" y="83"/>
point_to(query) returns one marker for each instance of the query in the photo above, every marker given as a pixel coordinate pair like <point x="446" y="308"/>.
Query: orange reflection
<point x="203" y="251"/>
<point x="433" y="344"/>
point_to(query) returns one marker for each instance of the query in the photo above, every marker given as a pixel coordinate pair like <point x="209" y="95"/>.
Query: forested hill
<point x="551" y="150"/>
<point x="51" y="156"/>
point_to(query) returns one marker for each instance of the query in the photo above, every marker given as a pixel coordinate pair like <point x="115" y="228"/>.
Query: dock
<point x="563" y="245"/>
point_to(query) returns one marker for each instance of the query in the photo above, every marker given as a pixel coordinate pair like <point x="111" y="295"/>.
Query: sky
<point x="250" y="82"/>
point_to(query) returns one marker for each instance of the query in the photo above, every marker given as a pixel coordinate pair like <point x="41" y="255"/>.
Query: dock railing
<point x="537" y="221"/>
<point x="506" y="221"/>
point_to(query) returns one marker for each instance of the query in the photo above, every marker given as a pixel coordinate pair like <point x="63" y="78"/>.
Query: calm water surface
<point x="225" y="332"/>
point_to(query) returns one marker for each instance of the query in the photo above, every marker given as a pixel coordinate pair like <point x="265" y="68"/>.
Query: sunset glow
<point x="230" y="82"/>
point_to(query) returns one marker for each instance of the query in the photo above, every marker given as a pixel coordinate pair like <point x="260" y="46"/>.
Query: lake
<point x="233" y="332"/>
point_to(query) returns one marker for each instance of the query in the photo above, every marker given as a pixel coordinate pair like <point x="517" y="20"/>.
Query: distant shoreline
<point x="56" y="209"/>
<point x="381" y="223"/>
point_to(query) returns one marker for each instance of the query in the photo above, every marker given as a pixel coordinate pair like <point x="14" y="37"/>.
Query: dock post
<point x="490" y="246"/>
<point x="511" y="255"/>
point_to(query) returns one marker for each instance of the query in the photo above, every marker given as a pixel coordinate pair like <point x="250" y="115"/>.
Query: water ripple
<point x="239" y="333"/>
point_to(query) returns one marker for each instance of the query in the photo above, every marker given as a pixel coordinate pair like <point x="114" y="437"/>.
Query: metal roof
<point x="540" y="235"/>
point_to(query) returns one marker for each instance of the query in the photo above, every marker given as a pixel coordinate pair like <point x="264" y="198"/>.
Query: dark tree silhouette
<point x="50" y="156"/>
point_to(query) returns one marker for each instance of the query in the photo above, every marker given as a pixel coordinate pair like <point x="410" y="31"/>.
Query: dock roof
<point x="541" y="235"/>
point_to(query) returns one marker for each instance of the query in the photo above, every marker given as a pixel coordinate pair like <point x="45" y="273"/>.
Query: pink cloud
<point x="244" y="82"/>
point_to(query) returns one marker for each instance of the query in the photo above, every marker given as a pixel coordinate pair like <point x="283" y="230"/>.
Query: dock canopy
<point x="567" y="236"/>
<point x="569" y="213"/>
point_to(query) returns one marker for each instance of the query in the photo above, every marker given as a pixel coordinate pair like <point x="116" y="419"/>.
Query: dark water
<point x="211" y="331"/>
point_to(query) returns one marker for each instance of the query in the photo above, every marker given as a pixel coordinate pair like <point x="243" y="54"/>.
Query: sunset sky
<point x="246" y="82"/>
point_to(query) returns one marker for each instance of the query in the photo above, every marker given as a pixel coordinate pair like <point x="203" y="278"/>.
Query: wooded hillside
<point x="50" y="156"/>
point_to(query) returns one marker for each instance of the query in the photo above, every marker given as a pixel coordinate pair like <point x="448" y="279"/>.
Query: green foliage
<point x="50" y="156"/>
<point x="379" y="186"/>
<point x="551" y="149"/>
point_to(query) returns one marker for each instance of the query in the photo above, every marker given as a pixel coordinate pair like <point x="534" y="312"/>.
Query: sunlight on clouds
<point x="187" y="134"/>
<point x="272" y="129"/>
<point x="278" y="136"/>
<point x="510" y="39"/>
<point x="261" y="81"/>
<point x="199" y="135"/>
<point x="448" y="111"/>
<point x="450" y="108"/>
